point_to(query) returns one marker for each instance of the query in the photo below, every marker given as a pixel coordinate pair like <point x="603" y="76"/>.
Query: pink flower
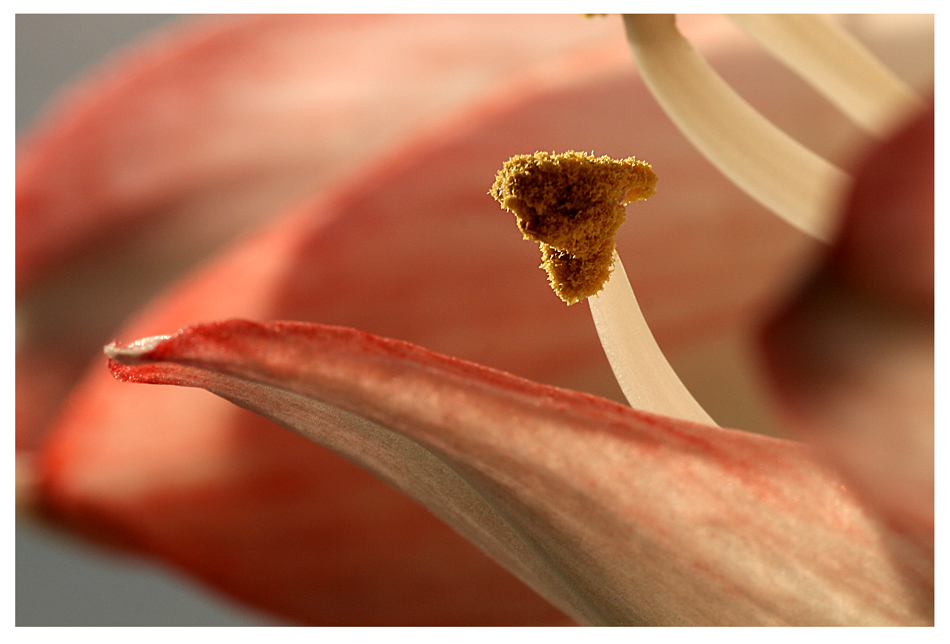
<point x="612" y="514"/>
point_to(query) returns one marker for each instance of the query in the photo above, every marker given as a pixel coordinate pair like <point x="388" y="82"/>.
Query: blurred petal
<point x="226" y="120"/>
<point x="615" y="515"/>
<point x="852" y="358"/>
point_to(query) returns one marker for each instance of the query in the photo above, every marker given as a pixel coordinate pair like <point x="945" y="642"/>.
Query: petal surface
<point x="616" y="516"/>
<point x="852" y="357"/>
<point x="272" y="520"/>
<point x="233" y="118"/>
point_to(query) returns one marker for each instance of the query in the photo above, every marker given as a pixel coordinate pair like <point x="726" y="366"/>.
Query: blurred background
<point x="59" y="580"/>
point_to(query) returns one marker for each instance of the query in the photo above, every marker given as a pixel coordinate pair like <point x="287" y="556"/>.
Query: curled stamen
<point x="835" y="64"/>
<point x="767" y="164"/>
<point x="572" y="204"/>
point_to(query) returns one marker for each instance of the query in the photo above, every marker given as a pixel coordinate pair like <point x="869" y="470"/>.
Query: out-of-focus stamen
<point x="766" y="163"/>
<point x="837" y="66"/>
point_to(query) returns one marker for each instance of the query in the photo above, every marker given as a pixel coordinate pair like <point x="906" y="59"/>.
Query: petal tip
<point x="135" y="352"/>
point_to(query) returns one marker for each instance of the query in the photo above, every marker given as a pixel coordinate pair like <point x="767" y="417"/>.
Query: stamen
<point x="642" y="371"/>
<point x="572" y="204"/>
<point x="837" y="65"/>
<point x="767" y="164"/>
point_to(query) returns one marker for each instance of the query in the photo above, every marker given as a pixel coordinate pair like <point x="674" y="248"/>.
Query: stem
<point x="763" y="161"/>
<point x="646" y="378"/>
<point x="835" y="64"/>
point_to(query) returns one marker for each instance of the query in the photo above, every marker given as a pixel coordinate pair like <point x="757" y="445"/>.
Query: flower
<point x="613" y="514"/>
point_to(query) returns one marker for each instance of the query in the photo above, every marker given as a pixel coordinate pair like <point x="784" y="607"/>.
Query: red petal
<point x="232" y="119"/>
<point x="267" y="517"/>
<point x="852" y="358"/>
<point x="615" y="515"/>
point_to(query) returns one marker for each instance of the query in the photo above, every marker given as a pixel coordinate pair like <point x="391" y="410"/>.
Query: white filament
<point x="645" y="377"/>
<point x="836" y="65"/>
<point x="759" y="158"/>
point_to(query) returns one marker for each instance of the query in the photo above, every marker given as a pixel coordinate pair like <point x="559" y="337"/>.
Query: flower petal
<point x="615" y="515"/>
<point x="852" y="357"/>
<point x="267" y="517"/>
<point x="235" y="118"/>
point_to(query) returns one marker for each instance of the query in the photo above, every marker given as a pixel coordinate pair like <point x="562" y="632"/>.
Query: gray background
<point x="59" y="581"/>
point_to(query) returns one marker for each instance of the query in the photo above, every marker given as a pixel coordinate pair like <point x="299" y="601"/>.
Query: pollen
<point x="573" y="205"/>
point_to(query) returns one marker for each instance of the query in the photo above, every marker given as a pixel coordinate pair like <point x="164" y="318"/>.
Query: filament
<point x="771" y="167"/>
<point x="836" y="65"/>
<point x="645" y="377"/>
